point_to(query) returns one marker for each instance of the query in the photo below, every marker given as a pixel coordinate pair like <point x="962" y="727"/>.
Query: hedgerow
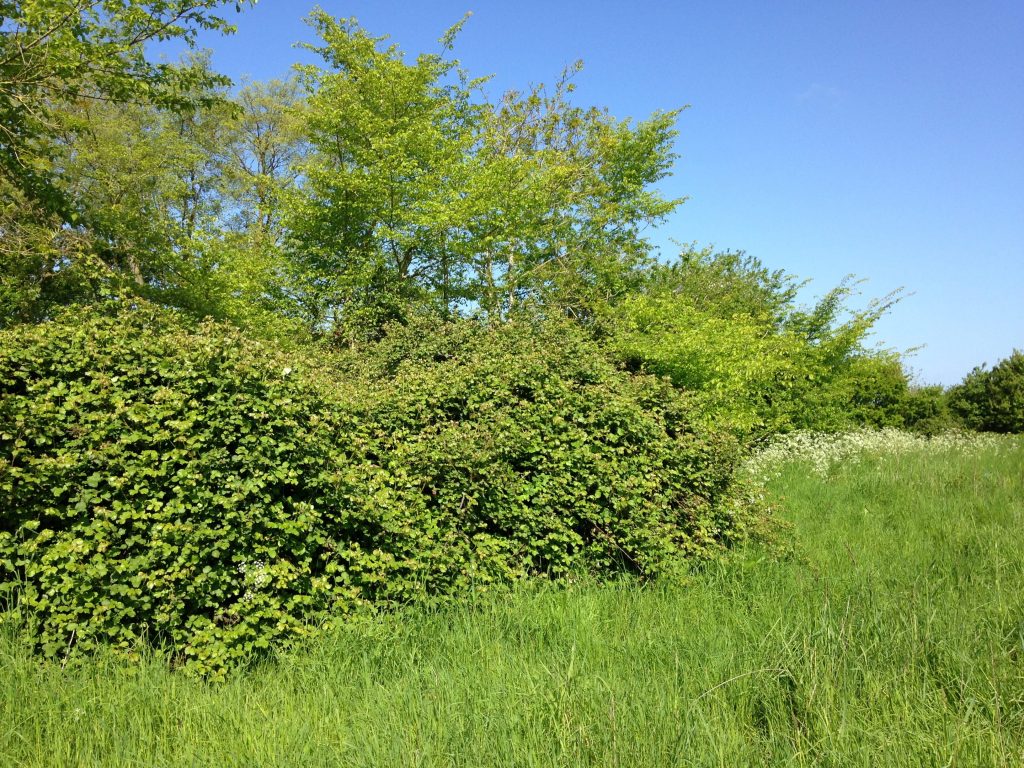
<point x="165" y="484"/>
<point x="180" y="487"/>
<point x="527" y="453"/>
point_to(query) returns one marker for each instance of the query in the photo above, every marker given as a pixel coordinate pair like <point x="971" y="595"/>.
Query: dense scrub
<point x="167" y="485"/>
<point x="205" y="493"/>
<point x="726" y="328"/>
<point x="992" y="400"/>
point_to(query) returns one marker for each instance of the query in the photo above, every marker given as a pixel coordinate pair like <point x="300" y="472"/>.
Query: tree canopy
<point x="70" y="72"/>
<point x="376" y="186"/>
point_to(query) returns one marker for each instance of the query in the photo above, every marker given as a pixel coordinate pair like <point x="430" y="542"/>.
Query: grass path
<point x="894" y="637"/>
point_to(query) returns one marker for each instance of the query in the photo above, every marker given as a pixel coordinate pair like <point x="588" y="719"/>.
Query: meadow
<point x="881" y="623"/>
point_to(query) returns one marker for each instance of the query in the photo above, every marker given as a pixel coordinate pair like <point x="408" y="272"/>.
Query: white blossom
<point x="821" y="452"/>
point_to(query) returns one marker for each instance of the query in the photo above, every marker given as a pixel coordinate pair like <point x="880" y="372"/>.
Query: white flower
<point x="255" y="576"/>
<point x="821" y="452"/>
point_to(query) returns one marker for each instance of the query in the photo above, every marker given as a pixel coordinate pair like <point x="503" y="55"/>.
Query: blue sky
<point x="882" y="139"/>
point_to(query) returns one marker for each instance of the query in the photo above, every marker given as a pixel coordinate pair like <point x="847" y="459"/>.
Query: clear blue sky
<point x="884" y="139"/>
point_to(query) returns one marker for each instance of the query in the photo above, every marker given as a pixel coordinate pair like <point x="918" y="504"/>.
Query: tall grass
<point x="892" y="634"/>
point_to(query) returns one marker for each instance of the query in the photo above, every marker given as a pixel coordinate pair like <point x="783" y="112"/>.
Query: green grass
<point x="894" y="636"/>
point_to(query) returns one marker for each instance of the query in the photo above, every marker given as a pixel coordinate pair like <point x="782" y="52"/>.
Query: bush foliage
<point x="164" y="484"/>
<point x="531" y="453"/>
<point x="191" y="489"/>
<point x="727" y="329"/>
<point x="925" y="410"/>
<point x="992" y="400"/>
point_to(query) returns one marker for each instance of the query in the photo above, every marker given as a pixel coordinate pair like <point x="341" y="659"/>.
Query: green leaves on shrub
<point x="925" y="410"/>
<point x="728" y="330"/>
<point x="526" y="453"/>
<point x="189" y="489"/>
<point x="164" y="485"/>
<point x="992" y="400"/>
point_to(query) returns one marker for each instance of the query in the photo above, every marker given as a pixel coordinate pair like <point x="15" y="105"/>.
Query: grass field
<point x="893" y="635"/>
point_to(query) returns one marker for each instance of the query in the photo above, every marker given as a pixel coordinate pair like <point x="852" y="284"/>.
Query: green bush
<point x="525" y="452"/>
<point x="925" y="410"/>
<point x="166" y="485"/>
<point x="729" y="331"/>
<point x="992" y="400"/>
<point x="866" y="389"/>
<point x="185" y="488"/>
<point x="736" y="369"/>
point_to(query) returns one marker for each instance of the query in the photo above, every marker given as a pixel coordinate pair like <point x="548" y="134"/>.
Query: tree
<point x="561" y="197"/>
<point x="992" y="400"/>
<point x="258" y="166"/>
<point x="144" y="180"/>
<point x="36" y="253"/>
<point x="416" y="189"/>
<point x="261" y="157"/>
<point x="56" y="51"/>
<point x="183" y="207"/>
<point x="56" y="57"/>
<point x="382" y="182"/>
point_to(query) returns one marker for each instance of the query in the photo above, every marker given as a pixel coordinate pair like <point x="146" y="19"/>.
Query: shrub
<point x="166" y="484"/>
<point x="733" y="366"/>
<point x="727" y="329"/>
<point x="752" y="379"/>
<point x="992" y="400"/>
<point x="925" y="410"/>
<point x="866" y="389"/>
<point x="186" y="488"/>
<point x="524" y="452"/>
